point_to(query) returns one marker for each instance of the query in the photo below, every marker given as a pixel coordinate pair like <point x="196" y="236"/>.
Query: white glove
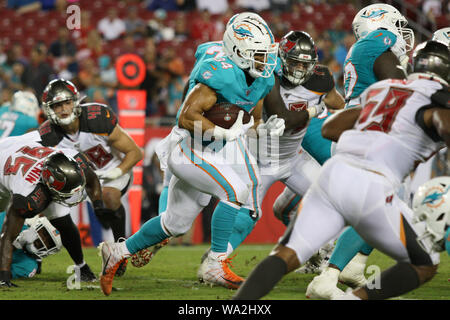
<point x="237" y="129"/>
<point x="316" y="110"/>
<point x="109" y="175"/>
<point x="274" y="126"/>
<point x="24" y="238"/>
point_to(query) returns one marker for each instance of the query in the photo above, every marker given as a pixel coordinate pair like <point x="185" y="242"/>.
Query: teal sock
<point x="222" y="223"/>
<point x="148" y="235"/>
<point x="243" y="225"/>
<point x="162" y="204"/>
<point x="286" y="212"/>
<point x="347" y="246"/>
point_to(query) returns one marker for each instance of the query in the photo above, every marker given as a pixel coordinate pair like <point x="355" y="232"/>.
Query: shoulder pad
<point x="50" y="134"/>
<point x="97" y="118"/>
<point x="213" y="74"/>
<point x="33" y="204"/>
<point x="441" y="98"/>
<point x="321" y="80"/>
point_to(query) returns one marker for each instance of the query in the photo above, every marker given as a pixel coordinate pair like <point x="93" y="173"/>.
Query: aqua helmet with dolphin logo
<point x="247" y="36"/>
<point x="383" y="16"/>
<point x="431" y="205"/>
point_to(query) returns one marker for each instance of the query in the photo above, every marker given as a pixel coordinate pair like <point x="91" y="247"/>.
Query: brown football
<point x="224" y="114"/>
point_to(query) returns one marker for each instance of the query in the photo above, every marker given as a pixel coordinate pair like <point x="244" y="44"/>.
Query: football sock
<point x="149" y="234"/>
<point x="243" y="225"/>
<point x="222" y="223"/>
<point x="347" y="246"/>
<point x="162" y="204"/>
<point x="395" y="281"/>
<point x="118" y="223"/>
<point x="70" y="237"/>
<point x="287" y="211"/>
<point x="262" y="279"/>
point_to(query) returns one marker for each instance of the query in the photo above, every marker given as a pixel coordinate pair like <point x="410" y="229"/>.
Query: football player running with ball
<point x="304" y="86"/>
<point x="238" y="71"/>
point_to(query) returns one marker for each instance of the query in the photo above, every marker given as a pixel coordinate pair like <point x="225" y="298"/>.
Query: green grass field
<point x="171" y="275"/>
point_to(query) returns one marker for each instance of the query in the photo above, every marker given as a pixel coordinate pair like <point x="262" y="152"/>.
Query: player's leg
<point x="316" y="223"/>
<point x="285" y="205"/>
<point x="59" y="217"/>
<point x="162" y="204"/>
<point x="389" y="228"/>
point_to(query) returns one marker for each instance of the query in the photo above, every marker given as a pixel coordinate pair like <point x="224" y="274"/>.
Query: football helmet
<point x="442" y="35"/>
<point x="384" y="16"/>
<point x="299" y="56"/>
<point x="26" y="103"/>
<point x="431" y="204"/>
<point x="249" y="43"/>
<point x="40" y="239"/>
<point x="57" y="91"/>
<point x="432" y="58"/>
<point x="64" y="178"/>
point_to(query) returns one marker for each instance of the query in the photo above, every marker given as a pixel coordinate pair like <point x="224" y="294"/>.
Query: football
<point x="224" y="114"/>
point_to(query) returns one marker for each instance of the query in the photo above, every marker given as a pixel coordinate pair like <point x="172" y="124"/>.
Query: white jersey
<point x="300" y="98"/>
<point x="387" y="138"/>
<point x="97" y="121"/>
<point x="21" y="161"/>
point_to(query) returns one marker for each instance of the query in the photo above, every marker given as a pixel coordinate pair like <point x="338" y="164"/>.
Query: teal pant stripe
<point x="252" y="175"/>
<point x="211" y="170"/>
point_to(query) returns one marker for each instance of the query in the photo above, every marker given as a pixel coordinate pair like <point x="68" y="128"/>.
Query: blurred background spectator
<point x="111" y="27"/>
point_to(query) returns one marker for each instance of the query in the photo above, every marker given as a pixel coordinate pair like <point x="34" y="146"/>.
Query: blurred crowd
<point x="166" y="42"/>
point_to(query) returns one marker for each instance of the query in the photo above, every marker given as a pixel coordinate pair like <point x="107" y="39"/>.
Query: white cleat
<point x="318" y="262"/>
<point x="217" y="272"/>
<point x="353" y="273"/>
<point x="112" y="258"/>
<point x="324" y="286"/>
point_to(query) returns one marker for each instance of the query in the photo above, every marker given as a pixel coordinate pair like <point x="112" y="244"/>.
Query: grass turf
<point x="171" y="275"/>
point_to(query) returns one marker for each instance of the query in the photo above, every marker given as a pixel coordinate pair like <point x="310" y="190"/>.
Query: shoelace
<point x="227" y="264"/>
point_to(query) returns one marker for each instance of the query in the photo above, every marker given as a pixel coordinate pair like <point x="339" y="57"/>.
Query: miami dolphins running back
<point x="239" y="72"/>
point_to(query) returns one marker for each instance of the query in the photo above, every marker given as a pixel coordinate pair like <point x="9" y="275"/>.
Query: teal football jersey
<point x="215" y="70"/>
<point x="358" y="66"/>
<point x="22" y="266"/>
<point x="13" y="123"/>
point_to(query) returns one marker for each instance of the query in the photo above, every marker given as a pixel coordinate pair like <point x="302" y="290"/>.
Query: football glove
<point x="316" y="110"/>
<point x="110" y="174"/>
<point x="274" y="126"/>
<point x="237" y="129"/>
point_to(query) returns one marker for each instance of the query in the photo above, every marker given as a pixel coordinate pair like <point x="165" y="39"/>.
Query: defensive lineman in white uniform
<point x="401" y="123"/>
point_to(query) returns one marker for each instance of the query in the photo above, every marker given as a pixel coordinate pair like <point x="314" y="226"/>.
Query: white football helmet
<point x="431" y="204"/>
<point x="25" y="102"/>
<point x="247" y="36"/>
<point x="383" y="16"/>
<point x="40" y="239"/>
<point x="442" y="35"/>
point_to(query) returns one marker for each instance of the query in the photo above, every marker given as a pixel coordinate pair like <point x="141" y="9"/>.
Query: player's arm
<point x="199" y="100"/>
<point x="334" y="100"/>
<point x="93" y="186"/>
<point x="387" y="66"/>
<point x="434" y="118"/>
<point x="121" y="141"/>
<point x="274" y="105"/>
<point x="337" y="123"/>
<point x="21" y="208"/>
